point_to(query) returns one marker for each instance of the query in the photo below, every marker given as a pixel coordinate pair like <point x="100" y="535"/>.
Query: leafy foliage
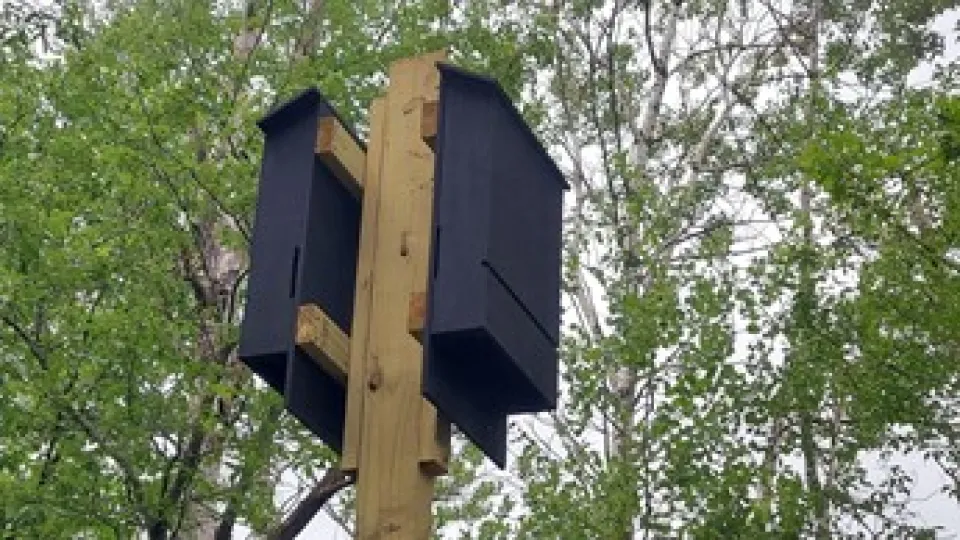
<point x="761" y="269"/>
<point x="127" y="194"/>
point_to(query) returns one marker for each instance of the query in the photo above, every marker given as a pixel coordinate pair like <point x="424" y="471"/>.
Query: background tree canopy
<point x="762" y="264"/>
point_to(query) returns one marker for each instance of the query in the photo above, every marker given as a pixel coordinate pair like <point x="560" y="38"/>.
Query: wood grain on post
<point x="369" y="221"/>
<point x="434" y="430"/>
<point x="398" y="440"/>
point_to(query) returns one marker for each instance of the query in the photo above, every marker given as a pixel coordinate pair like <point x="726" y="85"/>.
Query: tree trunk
<point x="806" y="299"/>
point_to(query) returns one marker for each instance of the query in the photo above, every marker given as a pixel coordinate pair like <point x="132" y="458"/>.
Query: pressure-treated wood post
<point x="393" y="440"/>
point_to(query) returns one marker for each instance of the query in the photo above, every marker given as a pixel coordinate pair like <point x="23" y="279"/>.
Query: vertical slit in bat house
<point x="493" y="312"/>
<point x="304" y="251"/>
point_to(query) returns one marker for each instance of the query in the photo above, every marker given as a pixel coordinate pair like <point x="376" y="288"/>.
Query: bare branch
<point x="332" y="482"/>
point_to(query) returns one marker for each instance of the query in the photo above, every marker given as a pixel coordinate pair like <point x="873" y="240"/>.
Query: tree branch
<point x="332" y="482"/>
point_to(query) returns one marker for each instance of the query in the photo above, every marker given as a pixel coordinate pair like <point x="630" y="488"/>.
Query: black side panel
<point x="329" y="271"/>
<point x="316" y="399"/>
<point x="527" y="351"/>
<point x="460" y="384"/>
<point x="525" y="229"/>
<point x="456" y="372"/>
<point x="272" y="368"/>
<point x="305" y="247"/>
<point x="494" y="294"/>
<point x="462" y="179"/>
<point x="327" y="278"/>
<point x="280" y="223"/>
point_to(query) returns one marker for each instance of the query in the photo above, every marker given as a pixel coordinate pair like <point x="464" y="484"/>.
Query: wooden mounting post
<point x="501" y="277"/>
<point x="394" y="441"/>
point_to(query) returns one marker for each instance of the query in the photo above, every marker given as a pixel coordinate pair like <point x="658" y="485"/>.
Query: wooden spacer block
<point x="338" y="150"/>
<point x="323" y="341"/>
<point x="417" y="315"/>
<point x="429" y="118"/>
<point x="435" y="430"/>
<point x="434" y="441"/>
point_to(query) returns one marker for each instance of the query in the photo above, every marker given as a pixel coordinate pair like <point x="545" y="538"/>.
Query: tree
<point x="128" y="182"/>
<point x="711" y="399"/>
<point x="891" y="179"/>
<point x="759" y="267"/>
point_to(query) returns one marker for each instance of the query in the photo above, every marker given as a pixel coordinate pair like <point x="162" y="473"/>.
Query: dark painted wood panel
<point x="304" y="251"/>
<point x="493" y="309"/>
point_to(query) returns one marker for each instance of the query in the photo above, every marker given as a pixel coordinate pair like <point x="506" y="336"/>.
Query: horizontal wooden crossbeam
<point x="323" y="341"/>
<point x="339" y="151"/>
<point x="329" y="347"/>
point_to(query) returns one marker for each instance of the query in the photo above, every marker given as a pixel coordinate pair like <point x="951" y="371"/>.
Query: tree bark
<point x="806" y="297"/>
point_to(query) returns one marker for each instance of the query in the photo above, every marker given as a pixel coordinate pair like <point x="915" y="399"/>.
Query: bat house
<point x="493" y="308"/>
<point x="304" y="251"/>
